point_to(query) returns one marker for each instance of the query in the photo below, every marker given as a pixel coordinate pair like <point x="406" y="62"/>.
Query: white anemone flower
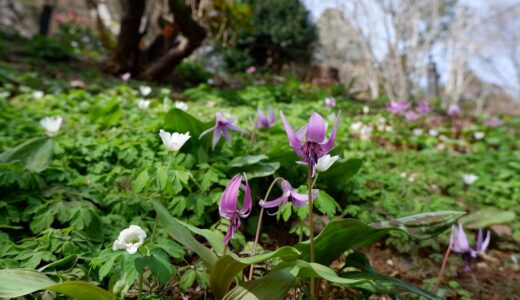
<point x="366" y="109"/>
<point x="469" y="179"/>
<point x="356" y="127"/>
<point x="51" y="125"/>
<point x="173" y="141"/>
<point x="38" y="94"/>
<point x="130" y="239"/>
<point x="479" y="135"/>
<point x="365" y="133"/>
<point x="433" y="132"/>
<point x="143" y="104"/>
<point x="181" y="105"/>
<point x="417" y="131"/>
<point x="145" y="90"/>
<point x="325" y="162"/>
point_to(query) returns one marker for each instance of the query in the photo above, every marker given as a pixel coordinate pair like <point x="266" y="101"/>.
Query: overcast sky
<point x="499" y="60"/>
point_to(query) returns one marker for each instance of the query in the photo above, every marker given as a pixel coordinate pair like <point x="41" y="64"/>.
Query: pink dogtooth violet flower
<point x="228" y="207"/>
<point x="330" y="102"/>
<point x="423" y="108"/>
<point x="411" y="116"/>
<point x="126" y="76"/>
<point x="251" y="70"/>
<point x="398" y="107"/>
<point x="222" y="127"/>
<point x="263" y="121"/>
<point x="310" y="142"/>
<point x="461" y="245"/>
<point x="453" y="110"/>
<point x="289" y="194"/>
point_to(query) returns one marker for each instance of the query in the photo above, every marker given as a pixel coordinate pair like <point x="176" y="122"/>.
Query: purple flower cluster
<point x="265" y="121"/>
<point x="222" y="127"/>
<point x="405" y="108"/>
<point x="289" y="194"/>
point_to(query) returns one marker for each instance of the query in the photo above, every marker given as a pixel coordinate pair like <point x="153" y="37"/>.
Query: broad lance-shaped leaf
<point x="341" y="235"/>
<point x="425" y="225"/>
<point x="34" y="154"/>
<point x="20" y="282"/>
<point x="229" y="266"/>
<point x="182" y="235"/>
<point x="315" y="270"/>
<point x="247" y="160"/>
<point x="378" y="283"/>
<point x="214" y="238"/>
<point x="273" y="286"/>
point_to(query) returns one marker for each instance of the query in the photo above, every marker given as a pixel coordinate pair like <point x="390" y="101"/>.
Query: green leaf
<point x="20" y="282"/>
<point x="162" y="177"/>
<point x="247" y="160"/>
<point x="160" y="265"/>
<point x="326" y="204"/>
<point x="315" y="270"/>
<point x="141" y="181"/>
<point x="107" y="113"/>
<point x="65" y="263"/>
<point x="172" y="248"/>
<point x="182" y="235"/>
<point x="425" y="225"/>
<point x="380" y="283"/>
<point x="34" y="155"/>
<point x="273" y="286"/>
<point x="340" y="173"/>
<point x="228" y="267"/>
<point x="339" y="236"/>
<point x="261" y="169"/>
<point x="487" y="217"/>
<point x="214" y="238"/>
<point x="187" y="279"/>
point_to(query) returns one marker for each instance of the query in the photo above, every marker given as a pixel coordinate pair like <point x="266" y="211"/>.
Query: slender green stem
<point x="311" y="224"/>
<point x="253" y="134"/>
<point x="225" y="250"/>
<point x="441" y="271"/>
<point x="140" y="288"/>
<point x="259" y="225"/>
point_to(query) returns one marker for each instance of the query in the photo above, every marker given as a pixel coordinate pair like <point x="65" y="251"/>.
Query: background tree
<point x="282" y="33"/>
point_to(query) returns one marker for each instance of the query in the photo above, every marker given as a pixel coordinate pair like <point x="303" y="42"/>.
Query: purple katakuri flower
<point x="461" y="245"/>
<point x="309" y="142"/>
<point x="398" y="107"/>
<point x="411" y="116"/>
<point x="222" y="128"/>
<point x="251" y="70"/>
<point x="453" y="110"/>
<point x="263" y="121"/>
<point x="289" y="194"/>
<point x="330" y="102"/>
<point x="423" y="108"/>
<point x="126" y="76"/>
<point x="228" y="205"/>
<point x="493" y="122"/>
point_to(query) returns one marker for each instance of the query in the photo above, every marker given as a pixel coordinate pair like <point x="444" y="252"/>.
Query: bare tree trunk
<point x="127" y="50"/>
<point x="192" y="36"/>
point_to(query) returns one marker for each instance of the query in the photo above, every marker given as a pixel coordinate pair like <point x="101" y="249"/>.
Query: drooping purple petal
<point x="326" y="147"/>
<point x="206" y="132"/>
<point x="228" y="201"/>
<point x="316" y="129"/>
<point x="216" y="137"/>
<point x="294" y="142"/>
<point x="248" y="200"/>
<point x="482" y="244"/>
<point x="459" y="240"/>
<point x="226" y="135"/>
<point x="272" y="116"/>
<point x="233" y="227"/>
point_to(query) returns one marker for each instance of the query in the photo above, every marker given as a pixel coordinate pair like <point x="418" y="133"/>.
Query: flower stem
<point x="253" y="134"/>
<point x="140" y="288"/>
<point x="259" y="225"/>
<point x="311" y="224"/>
<point x="441" y="271"/>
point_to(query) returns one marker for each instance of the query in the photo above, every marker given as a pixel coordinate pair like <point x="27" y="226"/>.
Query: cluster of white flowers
<point x="51" y="125"/>
<point x="479" y="135"/>
<point x="363" y="131"/>
<point x="411" y="177"/>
